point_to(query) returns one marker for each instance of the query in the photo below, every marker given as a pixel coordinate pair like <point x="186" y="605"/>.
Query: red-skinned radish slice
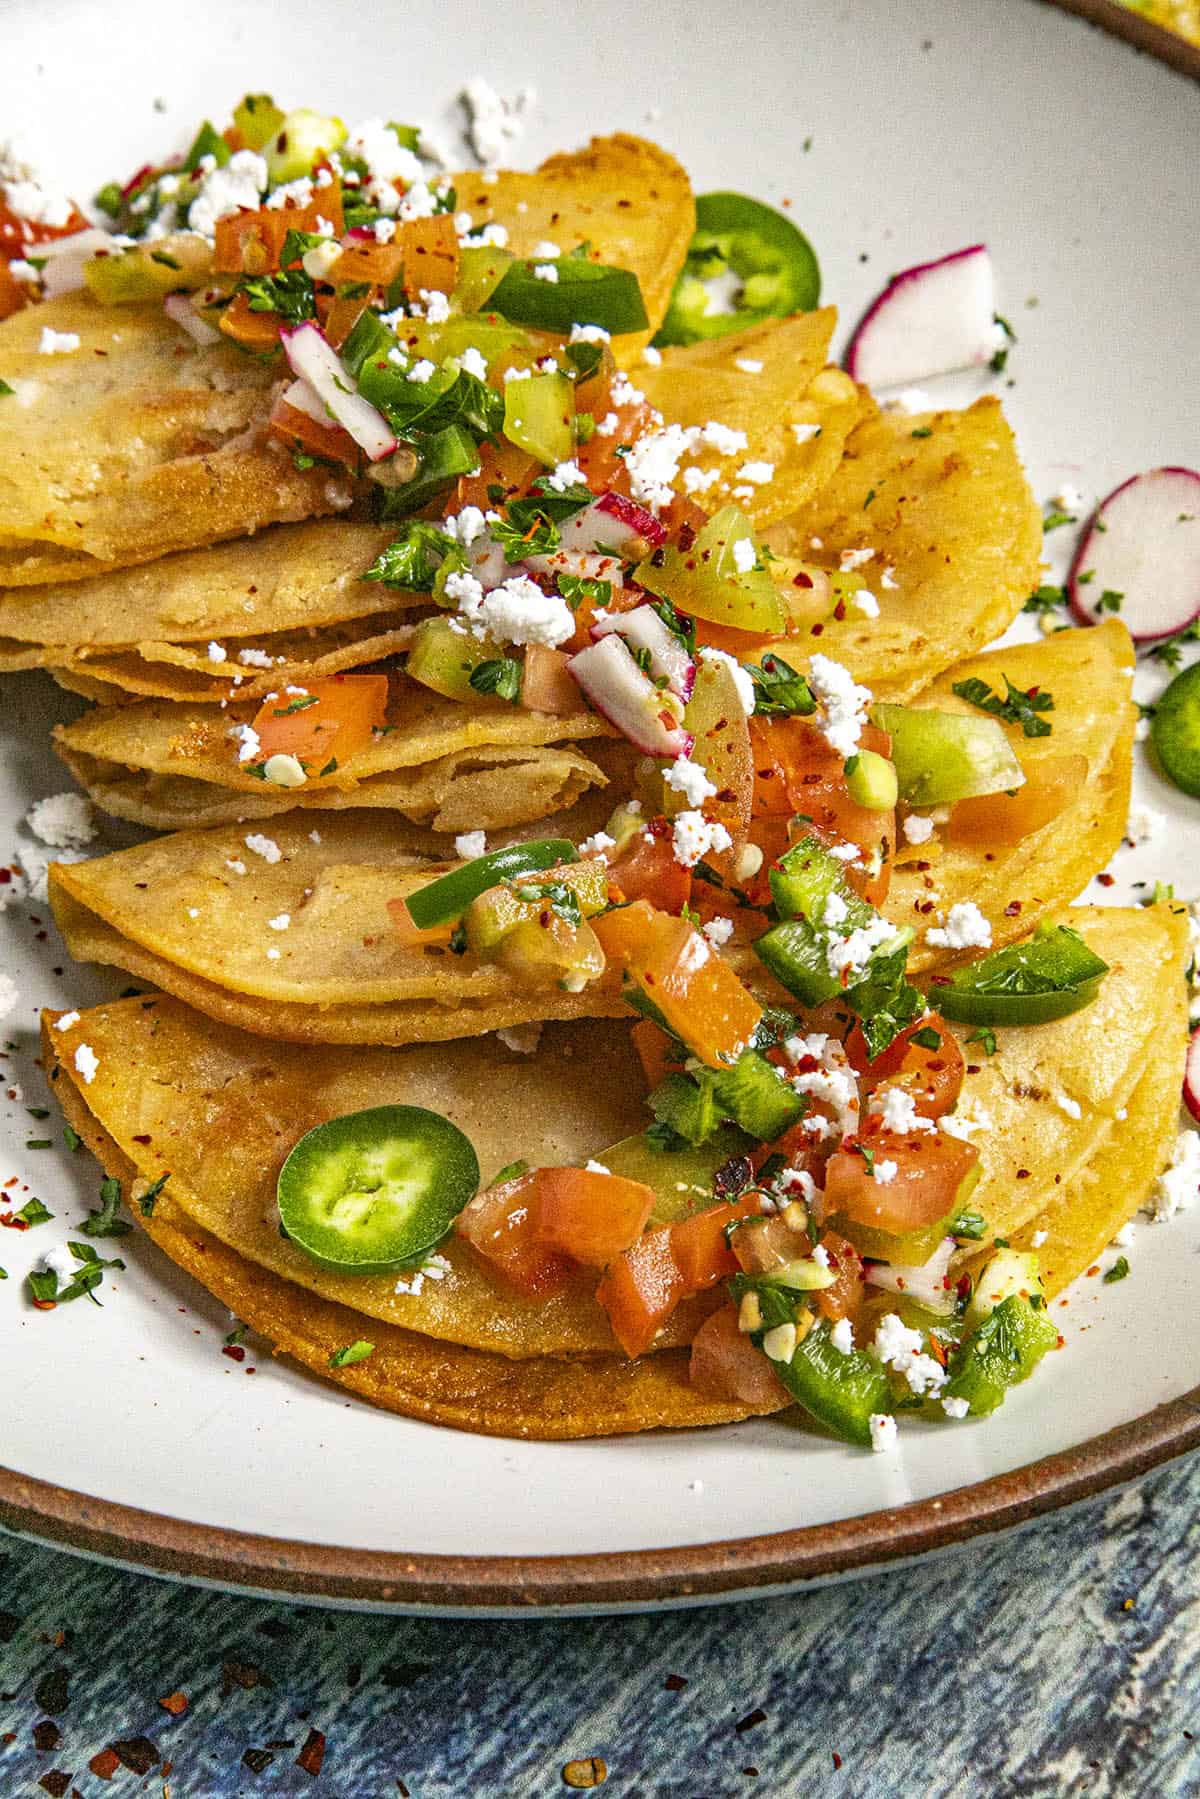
<point x="643" y="629"/>
<point x="613" y="523"/>
<point x="929" y="320"/>
<point x="926" y="1283"/>
<point x="621" y="693"/>
<point x="1191" y="1076"/>
<point x="312" y="357"/>
<point x="179" y="308"/>
<point x="1142" y="545"/>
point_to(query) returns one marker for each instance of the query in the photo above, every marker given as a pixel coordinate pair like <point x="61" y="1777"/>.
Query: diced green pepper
<point x="207" y="142"/>
<point x="683" y="1179"/>
<point x="1051" y="974"/>
<point x="151" y="270"/>
<point x="445" y="456"/>
<point x="444" y="658"/>
<point x="1003" y="1351"/>
<point x="583" y="293"/>
<point x="521" y="898"/>
<point x="840" y="1391"/>
<point x="705" y="581"/>
<point x="751" y="1094"/>
<point x="449" y="896"/>
<point x="1175" y="732"/>
<point x="258" y="118"/>
<point x="302" y="139"/>
<point x="480" y="272"/>
<point x="944" y="756"/>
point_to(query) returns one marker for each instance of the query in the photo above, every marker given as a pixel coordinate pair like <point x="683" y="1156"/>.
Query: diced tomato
<point x="258" y="331"/>
<point x="339" y="314"/>
<point x="933" y="1076"/>
<point x="546" y="684"/>
<point x="251" y="242"/>
<point x="696" y="991"/>
<point x="12" y="295"/>
<point x="797" y="771"/>
<point x="726" y="1365"/>
<point x="702" y="1253"/>
<point x="317" y="437"/>
<point x="766" y="1243"/>
<point x="499" y="1225"/>
<point x="745" y="646"/>
<point x="18" y="236"/>
<point x="362" y="260"/>
<point x="933" y="1173"/>
<point x="502" y="465"/>
<point x="655" y="1051"/>
<point x="411" y="935"/>
<point x="844" y="1298"/>
<point x="647" y="869"/>
<point x="588" y="1216"/>
<point x="602" y="468"/>
<point x="1051" y="783"/>
<point x="640" y="1290"/>
<point x="430" y="255"/>
<point x="337" y="726"/>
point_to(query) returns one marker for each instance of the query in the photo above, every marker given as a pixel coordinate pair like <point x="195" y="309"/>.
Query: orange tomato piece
<point x="647" y="869"/>
<point x="587" y="1216"/>
<point x="411" y="935"/>
<point x="12" y="295"/>
<point x="18" y="235"/>
<point x="702" y="1254"/>
<point x="336" y="726"/>
<point x="500" y="1226"/>
<point x="844" y="1298"/>
<point x="640" y="1290"/>
<point x="797" y="771"/>
<point x="1051" y="783"/>
<point x="339" y="314"/>
<point x="726" y="1365"/>
<point x="258" y="331"/>
<point x="933" y="1077"/>
<point x="364" y="260"/>
<point x="932" y="1174"/>
<point x="602" y="468"/>
<point x="251" y="242"/>
<point x="698" y="994"/>
<point x="317" y="437"/>
<point x="502" y="465"/>
<point x="430" y="252"/>
<point x="655" y="1051"/>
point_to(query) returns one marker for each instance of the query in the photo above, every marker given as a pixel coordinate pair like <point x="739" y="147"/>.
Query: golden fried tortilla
<point x="1088" y="674"/>
<point x="955" y="535"/>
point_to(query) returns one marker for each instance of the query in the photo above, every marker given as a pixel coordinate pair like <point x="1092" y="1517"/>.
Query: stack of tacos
<point x="726" y="927"/>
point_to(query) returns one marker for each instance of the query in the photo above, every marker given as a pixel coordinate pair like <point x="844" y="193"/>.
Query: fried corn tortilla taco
<point x="220" y="1114"/>
<point x="192" y="912"/>
<point x="162" y="765"/>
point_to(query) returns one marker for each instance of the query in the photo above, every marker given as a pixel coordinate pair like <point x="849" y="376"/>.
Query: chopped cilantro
<point x="500" y="675"/>
<point x="352" y="1353"/>
<point x="779" y="692"/>
<point x="969" y="1225"/>
<point x="104" y="1221"/>
<point x="34" y="1212"/>
<point x="72" y="1139"/>
<point x="1056" y="517"/>
<point x="510" y="1172"/>
<point x="868" y="1156"/>
<point x="6" y="389"/>
<point x="146" y="1200"/>
<point x="44" y="1285"/>
<point x="987" y="1037"/>
<point x="291" y="294"/>
<point x="300" y="704"/>
<point x="1109" y="601"/>
<point x="1018" y="708"/>
<point x="922" y="431"/>
<point x="1045" y="599"/>
<point x="562" y="900"/>
<point x="1118" y="1271"/>
<point x="927" y="1037"/>
<point x="414" y="559"/>
<point x="39" y="1143"/>
<point x="577" y="588"/>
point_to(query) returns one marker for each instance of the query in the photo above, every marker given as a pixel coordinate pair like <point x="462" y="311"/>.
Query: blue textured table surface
<point x="1059" y="1661"/>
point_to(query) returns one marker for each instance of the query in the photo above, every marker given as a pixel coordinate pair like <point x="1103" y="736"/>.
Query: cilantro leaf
<point x="414" y="559"/>
<point x="779" y="692"/>
<point x="291" y="294"/>
<point x="577" y="588"/>
<point x="1018" y="708"/>
<point x="500" y="675"/>
<point x="104" y="1222"/>
<point x="352" y="1353"/>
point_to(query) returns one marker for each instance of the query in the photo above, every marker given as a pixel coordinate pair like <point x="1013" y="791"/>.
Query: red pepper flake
<point x="175" y="1703"/>
<point x="675" y="1683"/>
<point x="817" y="631"/>
<point x="757" y="1716"/>
<point x="1094" y="1269"/>
<point x="11" y="1222"/>
<point x="234" y="1351"/>
<point x="1107" y="880"/>
<point x="1023" y="1174"/>
<point x="313" y="1753"/>
<point x="802" y="580"/>
<point x="105" y="1764"/>
<point x="1013" y="909"/>
<point x="145" y="1139"/>
<point x="837" y="1760"/>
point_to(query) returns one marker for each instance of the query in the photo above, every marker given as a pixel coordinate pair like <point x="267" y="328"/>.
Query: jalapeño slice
<point x="1175" y="732"/>
<point x="581" y="293"/>
<point x="1029" y="983"/>
<point x="774" y="262"/>
<point x="374" y="1191"/>
<point x="450" y="895"/>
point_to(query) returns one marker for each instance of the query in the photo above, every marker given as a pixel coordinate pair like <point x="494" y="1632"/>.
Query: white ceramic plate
<point x="898" y="132"/>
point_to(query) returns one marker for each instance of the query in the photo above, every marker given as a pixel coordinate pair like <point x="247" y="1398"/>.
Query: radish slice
<point x="621" y="693"/>
<point x="643" y="629"/>
<point x="929" y="320"/>
<point x="314" y="359"/>
<point x="926" y="1283"/>
<point x="1191" y="1076"/>
<point x="179" y="308"/>
<point x="613" y="523"/>
<point x="489" y="565"/>
<point x="1143" y="543"/>
<point x="301" y="398"/>
<point x="578" y="562"/>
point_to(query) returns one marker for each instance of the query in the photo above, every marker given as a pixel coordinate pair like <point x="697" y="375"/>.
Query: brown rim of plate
<point x="600" y="1582"/>
<point x="60" y="1518"/>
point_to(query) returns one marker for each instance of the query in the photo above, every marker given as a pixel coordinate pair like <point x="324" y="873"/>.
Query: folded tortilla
<point x="954" y="534"/>
<point x="1088" y="675"/>
<point x="231" y="622"/>
<point x="219" y="1110"/>
<point x="140" y="443"/>
<point x="547" y="1397"/>
<point x="168" y="765"/>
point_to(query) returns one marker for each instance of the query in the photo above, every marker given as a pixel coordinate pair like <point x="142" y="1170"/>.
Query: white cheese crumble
<point x="266" y="847"/>
<point x="598" y="844"/>
<point x="545" y="271"/>
<point x="590" y="334"/>
<point x="62" y="819"/>
<point x="1177" y="1186"/>
<point x="9" y="995"/>
<point x="653" y="464"/>
<point x="1143" y="824"/>
<point x="253" y="658"/>
<point x="472" y="362"/>
<point x="898" y="1110"/>
<point x="57" y="343"/>
<point x="955" y="1407"/>
<point x="749" y="365"/>
<point x="1037" y="1239"/>
<point x="965" y="928"/>
<point x="216" y="653"/>
<point x="1068" y="498"/>
<point x="516" y="612"/>
<point x="1125" y="1237"/>
<point x="842" y="1336"/>
<point x="591" y="1166"/>
<point x="280" y="922"/>
<point x="900" y="1348"/>
<point x="848" y="958"/>
<point x="885" y="1172"/>
<point x="522" y="1039"/>
<point x="842" y="702"/>
<point x="744" y="555"/>
<point x="60" y="1263"/>
<point x="723" y="438"/>
<point x="718" y="931"/>
<point x="86" y="1063"/>
<point x="565" y="474"/>
<point x="883" y="1432"/>
<point x="66" y="1021"/>
<point x="248" y="741"/>
<point x="695" y="836"/>
<point x="917" y="828"/>
<point x="241" y="183"/>
<point x="691" y="780"/>
<point x="852" y="559"/>
<point x="1070" y="1106"/>
<point x="234" y="866"/>
<point x="470" y="844"/>
<point x="911" y="399"/>
<point x="422" y="371"/>
<point x="493" y="122"/>
<point x="966" y="1119"/>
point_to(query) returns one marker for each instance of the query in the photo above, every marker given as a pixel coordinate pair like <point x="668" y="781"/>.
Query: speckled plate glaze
<point x="899" y="133"/>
